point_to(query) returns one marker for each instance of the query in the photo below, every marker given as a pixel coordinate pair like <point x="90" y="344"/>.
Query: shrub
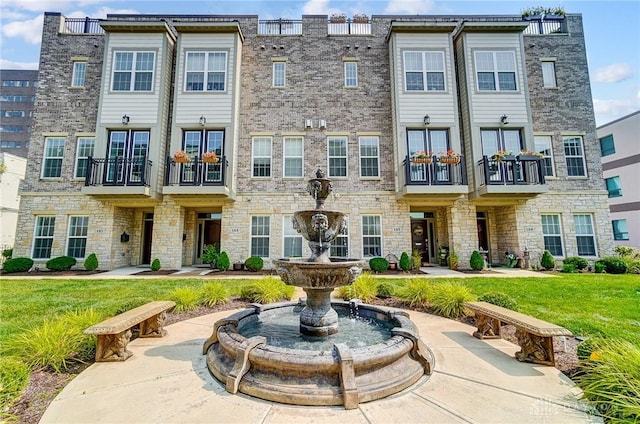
<point x="453" y="260"/>
<point x="214" y="294"/>
<point x="378" y="264"/>
<point x="476" y="262"/>
<point x="91" y="263"/>
<point x="61" y="263"/>
<point x="569" y="269"/>
<point x="578" y="262"/>
<point x="254" y="263"/>
<point x="385" y="290"/>
<point x="186" y="298"/>
<point x="223" y="262"/>
<point x="210" y="254"/>
<point x="547" y="262"/>
<point x="627" y="251"/>
<point x="7" y="253"/>
<point x="448" y="298"/>
<point x="267" y="290"/>
<point x="611" y="380"/>
<point x="18" y="265"/>
<point x="364" y="288"/>
<point x="587" y="347"/>
<point x="613" y="265"/>
<point x="417" y="292"/>
<point x="405" y="262"/>
<point x="155" y="265"/>
<point x="416" y="259"/>
<point x="633" y="265"/>
<point x="14" y="376"/>
<point x="499" y="299"/>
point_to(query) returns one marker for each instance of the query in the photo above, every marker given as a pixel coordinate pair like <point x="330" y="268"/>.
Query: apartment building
<point x="275" y="101"/>
<point x="17" y="97"/>
<point x="12" y="170"/>
<point x="620" y="149"/>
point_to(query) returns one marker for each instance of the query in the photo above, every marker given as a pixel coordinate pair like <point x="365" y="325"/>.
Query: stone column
<point x="463" y="232"/>
<point x="168" y="227"/>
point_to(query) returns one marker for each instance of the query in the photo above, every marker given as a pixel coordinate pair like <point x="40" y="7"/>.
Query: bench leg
<point x="534" y="349"/>
<point x="154" y="326"/>
<point x="113" y="347"/>
<point x="488" y="327"/>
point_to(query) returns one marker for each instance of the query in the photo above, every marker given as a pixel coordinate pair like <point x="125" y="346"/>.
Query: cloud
<point x="29" y="30"/>
<point x="11" y="14"/>
<point x="613" y="73"/>
<point x="8" y="64"/>
<point x="607" y="110"/>
<point x="410" y="7"/>
<point x="316" y="7"/>
<point x="47" y="5"/>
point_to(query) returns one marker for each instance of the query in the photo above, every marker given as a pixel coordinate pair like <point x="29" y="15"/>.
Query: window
<point x="607" y="146"/>
<point x="194" y="144"/>
<point x="77" y="237"/>
<point x="350" y="74"/>
<point x="613" y="186"/>
<point x="369" y="157"/>
<point x="132" y="145"/>
<point x="133" y="71"/>
<point x="279" y="74"/>
<point x="340" y="245"/>
<point x="549" y="74"/>
<point x="79" y="70"/>
<point x="371" y="236"/>
<point x="292" y="240"/>
<point x="424" y="69"/>
<point x="293" y="157"/>
<point x="52" y="161"/>
<point x="496" y="71"/>
<point x="552" y="234"/>
<point x="43" y="236"/>
<point x="260" y="236"/>
<point x="620" y="231"/>
<point x="337" y="147"/>
<point x="85" y="149"/>
<point x="543" y="146"/>
<point x="11" y="128"/>
<point x="206" y="71"/>
<point x="17" y="99"/>
<point x="574" y="156"/>
<point x="12" y="113"/>
<point x="498" y="139"/>
<point x="585" y="237"/>
<point x="261" y="156"/>
<point x="15" y="83"/>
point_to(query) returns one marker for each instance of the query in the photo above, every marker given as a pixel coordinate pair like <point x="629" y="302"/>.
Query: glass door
<point x="208" y="232"/>
<point x="127" y="157"/>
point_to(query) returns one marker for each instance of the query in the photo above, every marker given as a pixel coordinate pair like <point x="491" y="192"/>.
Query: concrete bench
<point x="115" y="333"/>
<point x="534" y="336"/>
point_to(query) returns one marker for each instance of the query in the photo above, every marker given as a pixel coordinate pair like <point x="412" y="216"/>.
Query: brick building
<point x="276" y="100"/>
<point x="17" y="98"/>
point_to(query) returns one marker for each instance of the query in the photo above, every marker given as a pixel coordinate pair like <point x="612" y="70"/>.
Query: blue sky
<point x="612" y="30"/>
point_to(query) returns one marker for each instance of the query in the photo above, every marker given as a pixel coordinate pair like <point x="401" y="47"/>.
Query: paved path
<point x="167" y="381"/>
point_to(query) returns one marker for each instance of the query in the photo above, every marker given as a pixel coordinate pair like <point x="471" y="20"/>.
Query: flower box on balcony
<point x="528" y="157"/>
<point x="449" y="160"/>
<point x="181" y="157"/>
<point x="425" y="160"/>
<point x="360" y="19"/>
<point x="210" y="157"/>
<point x="338" y="19"/>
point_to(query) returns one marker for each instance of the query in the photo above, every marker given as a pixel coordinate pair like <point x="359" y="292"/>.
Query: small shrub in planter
<point x="448" y="299"/>
<point x="405" y="262"/>
<point x="417" y="292"/>
<point x="378" y="264"/>
<point x="155" y="265"/>
<point x="214" y="294"/>
<point x="578" y="262"/>
<point x="547" y="262"/>
<point x="7" y="253"/>
<point x="499" y="299"/>
<point x="254" y="263"/>
<point x="61" y="263"/>
<point x="476" y="262"/>
<point x="186" y="298"/>
<point x="18" y="265"/>
<point x="223" y="262"/>
<point x="91" y="263"/>
<point x="210" y="254"/>
<point x="613" y="265"/>
<point x="267" y="290"/>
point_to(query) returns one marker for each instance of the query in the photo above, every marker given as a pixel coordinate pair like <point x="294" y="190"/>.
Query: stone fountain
<point x="289" y="369"/>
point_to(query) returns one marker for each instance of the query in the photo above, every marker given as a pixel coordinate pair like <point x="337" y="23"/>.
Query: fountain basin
<point x="341" y="376"/>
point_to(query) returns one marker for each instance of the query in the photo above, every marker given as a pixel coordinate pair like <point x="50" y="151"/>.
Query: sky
<point x="612" y="30"/>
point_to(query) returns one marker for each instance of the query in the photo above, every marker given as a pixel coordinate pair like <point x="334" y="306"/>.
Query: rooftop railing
<point x="280" y="27"/>
<point x="349" y="27"/>
<point x="545" y="24"/>
<point x="81" y="26"/>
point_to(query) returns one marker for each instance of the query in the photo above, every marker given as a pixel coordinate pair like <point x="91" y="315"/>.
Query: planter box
<point x="238" y="266"/>
<point x="528" y="157"/>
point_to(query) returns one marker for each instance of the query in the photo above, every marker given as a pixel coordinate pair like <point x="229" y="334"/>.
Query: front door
<point x="208" y="228"/>
<point x="423" y="238"/>
<point x="147" y="237"/>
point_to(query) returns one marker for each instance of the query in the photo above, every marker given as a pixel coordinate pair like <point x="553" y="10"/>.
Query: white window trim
<point x="132" y="81"/>
<point x="286" y="139"/>
<point x="284" y="74"/>
<point x="495" y="71"/>
<point x="45" y="157"/>
<point x="377" y="157"/>
<point x="252" y="236"/>
<point x="78" y="157"/>
<point x="33" y="239"/>
<point x="592" y="235"/>
<point x="582" y="157"/>
<point x="86" y="236"/>
<point x="205" y="71"/>
<point x="253" y="156"/>
<point x="363" y="235"/>
<point x="285" y="219"/>
<point x="553" y="163"/>
<point x="346" y="79"/>
<point x="425" y="71"/>
<point x="348" y="237"/>
<point x="554" y="73"/>
<point x="74" y="74"/>
<point x="561" y="234"/>
<point x="346" y="157"/>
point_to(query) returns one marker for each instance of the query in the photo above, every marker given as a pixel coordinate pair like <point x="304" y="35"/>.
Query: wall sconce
<point x="308" y="123"/>
<point x="125" y="119"/>
<point x="124" y="237"/>
<point x="322" y="124"/>
<point x="504" y="119"/>
<point x="203" y="120"/>
<point x="184" y="236"/>
<point x="426" y="119"/>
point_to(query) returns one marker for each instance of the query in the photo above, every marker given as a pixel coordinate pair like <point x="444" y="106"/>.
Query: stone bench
<point x="534" y="336"/>
<point x="115" y="333"/>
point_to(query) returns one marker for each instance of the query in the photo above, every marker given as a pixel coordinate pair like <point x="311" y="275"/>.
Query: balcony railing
<point x="280" y="27"/>
<point x="511" y="170"/>
<point x="81" y="26"/>
<point x="118" y="171"/>
<point x="195" y="173"/>
<point x="349" y="27"/>
<point x="545" y="24"/>
<point x="436" y="172"/>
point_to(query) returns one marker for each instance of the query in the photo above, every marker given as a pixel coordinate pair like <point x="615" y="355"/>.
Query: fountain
<point x="287" y="368"/>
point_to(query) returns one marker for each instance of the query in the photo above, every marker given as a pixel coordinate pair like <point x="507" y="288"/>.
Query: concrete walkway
<point x="167" y="381"/>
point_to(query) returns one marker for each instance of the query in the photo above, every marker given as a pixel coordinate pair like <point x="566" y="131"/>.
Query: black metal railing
<point x="545" y="24"/>
<point x="511" y="170"/>
<point x="280" y="27"/>
<point x="81" y="26"/>
<point x="195" y="172"/>
<point x="349" y="27"/>
<point x="118" y="171"/>
<point x="435" y="170"/>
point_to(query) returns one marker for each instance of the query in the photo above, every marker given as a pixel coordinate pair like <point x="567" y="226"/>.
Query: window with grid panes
<point x="552" y="234"/>
<point x="279" y="74"/>
<point x="293" y="157"/>
<point x="495" y="70"/>
<point x="340" y="245"/>
<point x="43" y="237"/>
<point x="574" y="156"/>
<point x="543" y="146"/>
<point x="260" y="231"/>
<point x="292" y="240"/>
<point x="52" y="160"/>
<point x="133" y="71"/>
<point x="351" y="74"/>
<point x="424" y="71"/>
<point x="78" y="76"/>
<point x="261" y="156"/>
<point x="205" y="71"/>
<point x="369" y="156"/>
<point x="585" y="236"/>
<point x="77" y="236"/>
<point x="84" y="150"/>
<point x="337" y="151"/>
<point x="371" y="236"/>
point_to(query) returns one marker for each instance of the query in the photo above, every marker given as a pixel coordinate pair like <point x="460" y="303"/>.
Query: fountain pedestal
<point x="318" y="318"/>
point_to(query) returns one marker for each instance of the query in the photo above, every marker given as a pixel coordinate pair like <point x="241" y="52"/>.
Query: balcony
<point x="187" y="182"/>
<point x="512" y="177"/>
<point x="118" y="178"/>
<point x="280" y="27"/>
<point x="545" y="24"/>
<point x="349" y="27"/>
<point x="435" y="180"/>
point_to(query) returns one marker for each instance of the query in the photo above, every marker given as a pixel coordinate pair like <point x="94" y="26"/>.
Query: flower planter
<point x="181" y="160"/>
<point x="422" y="160"/>
<point x="528" y="157"/>
<point x="449" y="160"/>
<point x="238" y="266"/>
<point x="504" y="158"/>
<point x="210" y="160"/>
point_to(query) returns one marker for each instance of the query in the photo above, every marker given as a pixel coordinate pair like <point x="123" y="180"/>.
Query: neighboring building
<point x="17" y="97"/>
<point x="620" y="148"/>
<point x="276" y="100"/>
<point x="12" y="170"/>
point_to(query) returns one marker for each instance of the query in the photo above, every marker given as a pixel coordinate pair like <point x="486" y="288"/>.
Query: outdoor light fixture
<point x="203" y="120"/>
<point x="504" y="119"/>
<point x="427" y="119"/>
<point x="322" y="124"/>
<point x="124" y="237"/>
<point x="125" y="119"/>
<point x="308" y="123"/>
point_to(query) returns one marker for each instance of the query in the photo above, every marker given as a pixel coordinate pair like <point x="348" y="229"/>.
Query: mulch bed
<point x="47" y="273"/>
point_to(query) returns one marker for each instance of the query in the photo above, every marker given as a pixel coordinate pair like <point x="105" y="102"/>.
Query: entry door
<point x="127" y="156"/>
<point x="208" y="233"/>
<point x="147" y="238"/>
<point x="423" y="238"/>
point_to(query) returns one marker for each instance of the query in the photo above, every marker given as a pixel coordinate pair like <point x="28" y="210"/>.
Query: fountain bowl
<point x="317" y="275"/>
